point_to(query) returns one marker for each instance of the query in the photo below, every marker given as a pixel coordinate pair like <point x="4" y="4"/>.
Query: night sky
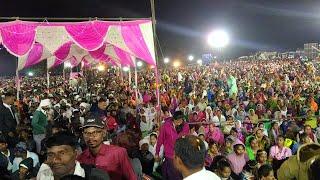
<point x="183" y="25"/>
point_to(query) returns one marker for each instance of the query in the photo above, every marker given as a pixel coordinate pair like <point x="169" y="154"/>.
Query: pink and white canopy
<point x="118" y="42"/>
<point x="35" y="55"/>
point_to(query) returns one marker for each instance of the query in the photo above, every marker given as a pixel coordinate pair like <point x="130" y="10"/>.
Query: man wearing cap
<point x="25" y="171"/>
<point x="170" y="131"/>
<point x="145" y="156"/>
<point x="39" y="122"/>
<point x="112" y="159"/>
<point x="8" y="121"/>
<point x="21" y="154"/>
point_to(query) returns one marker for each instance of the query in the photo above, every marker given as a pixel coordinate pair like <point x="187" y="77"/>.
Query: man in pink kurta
<point x="170" y="131"/>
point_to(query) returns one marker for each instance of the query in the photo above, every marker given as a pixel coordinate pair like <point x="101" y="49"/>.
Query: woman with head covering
<point x="209" y="114"/>
<point x="215" y="134"/>
<point x="253" y="116"/>
<point x="191" y="104"/>
<point x="252" y="147"/>
<point x="152" y="114"/>
<point x="247" y="124"/>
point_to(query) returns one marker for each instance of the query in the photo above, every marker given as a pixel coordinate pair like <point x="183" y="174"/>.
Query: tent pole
<point x="70" y="72"/>
<point x="121" y="73"/>
<point x="48" y="79"/>
<point x="129" y="78"/>
<point x="48" y="76"/>
<point x="136" y="81"/>
<point x="17" y="81"/>
<point x="64" y="74"/>
<point x="153" y="18"/>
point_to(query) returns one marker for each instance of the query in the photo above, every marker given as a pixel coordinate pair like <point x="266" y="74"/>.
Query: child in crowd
<point x="279" y="153"/>
<point x="265" y="172"/>
<point x="228" y="147"/>
<point x="238" y="159"/>
<point x="224" y="169"/>
<point x="201" y="136"/>
<point x="261" y="158"/>
<point x="213" y="151"/>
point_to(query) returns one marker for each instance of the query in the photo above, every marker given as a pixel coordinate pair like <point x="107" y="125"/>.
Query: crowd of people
<point x="227" y="120"/>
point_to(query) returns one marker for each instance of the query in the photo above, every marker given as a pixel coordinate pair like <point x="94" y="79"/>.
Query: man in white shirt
<point x="189" y="159"/>
<point x="219" y="119"/>
<point x="145" y="125"/>
<point x="21" y="154"/>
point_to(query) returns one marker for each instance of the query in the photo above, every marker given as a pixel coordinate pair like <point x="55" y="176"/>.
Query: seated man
<point x="25" y="171"/>
<point x="145" y="156"/>
<point x="21" y="154"/>
<point x="189" y="157"/>
<point x="6" y="155"/>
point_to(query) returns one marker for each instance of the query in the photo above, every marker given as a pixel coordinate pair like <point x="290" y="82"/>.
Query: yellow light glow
<point x="176" y="64"/>
<point x="101" y="68"/>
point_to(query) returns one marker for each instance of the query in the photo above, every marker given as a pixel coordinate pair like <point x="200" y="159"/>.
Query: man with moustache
<point x="112" y="159"/>
<point x="61" y="160"/>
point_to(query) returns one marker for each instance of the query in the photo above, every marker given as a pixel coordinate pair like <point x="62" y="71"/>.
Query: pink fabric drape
<point x="215" y="135"/>
<point x="134" y="40"/>
<point x="88" y="35"/>
<point x="85" y="63"/>
<point x="126" y="59"/>
<point x="34" y="56"/>
<point x="57" y="62"/>
<point x="123" y="57"/>
<point x="74" y="61"/>
<point x="63" y="51"/>
<point x="18" y="37"/>
<point x="112" y="61"/>
<point x="99" y="53"/>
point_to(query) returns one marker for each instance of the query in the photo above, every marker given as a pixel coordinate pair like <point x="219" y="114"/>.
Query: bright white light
<point x="191" y="58"/>
<point x="199" y="61"/>
<point x="126" y="69"/>
<point x="67" y="65"/>
<point x="101" y="68"/>
<point x="139" y="64"/>
<point x="218" y="39"/>
<point x="166" y="60"/>
<point x="215" y="57"/>
<point x="30" y="74"/>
